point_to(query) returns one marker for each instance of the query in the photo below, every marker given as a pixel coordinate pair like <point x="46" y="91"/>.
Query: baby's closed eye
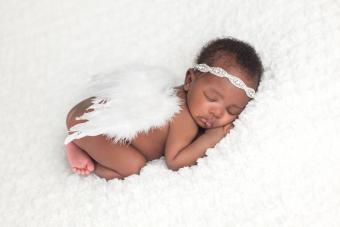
<point x="209" y="98"/>
<point x="232" y="110"/>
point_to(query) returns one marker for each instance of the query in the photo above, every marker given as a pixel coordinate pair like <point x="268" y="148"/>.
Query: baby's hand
<point x="219" y="132"/>
<point x="228" y="127"/>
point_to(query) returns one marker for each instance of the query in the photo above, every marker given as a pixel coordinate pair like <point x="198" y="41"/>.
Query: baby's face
<point x="213" y="101"/>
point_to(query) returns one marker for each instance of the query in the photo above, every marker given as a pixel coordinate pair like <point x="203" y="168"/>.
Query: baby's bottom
<point x="112" y="160"/>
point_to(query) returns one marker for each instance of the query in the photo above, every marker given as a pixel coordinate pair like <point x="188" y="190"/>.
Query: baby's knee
<point x="134" y="166"/>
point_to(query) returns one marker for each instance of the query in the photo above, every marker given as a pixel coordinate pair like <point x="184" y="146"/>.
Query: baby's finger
<point x="228" y="127"/>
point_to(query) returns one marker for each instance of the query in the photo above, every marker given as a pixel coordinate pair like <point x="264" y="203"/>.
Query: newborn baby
<point x="215" y="91"/>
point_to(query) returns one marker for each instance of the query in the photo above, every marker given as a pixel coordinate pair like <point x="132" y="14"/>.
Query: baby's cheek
<point x="229" y="119"/>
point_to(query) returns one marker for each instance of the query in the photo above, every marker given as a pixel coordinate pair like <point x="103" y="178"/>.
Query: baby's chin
<point x="199" y="123"/>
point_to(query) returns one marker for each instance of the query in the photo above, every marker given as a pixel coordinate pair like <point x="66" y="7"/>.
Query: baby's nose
<point x="218" y="112"/>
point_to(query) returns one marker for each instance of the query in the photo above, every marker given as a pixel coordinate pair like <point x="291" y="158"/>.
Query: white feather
<point x="136" y="99"/>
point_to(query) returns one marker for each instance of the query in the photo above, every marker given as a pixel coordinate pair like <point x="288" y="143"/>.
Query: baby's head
<point x="213" y="95"/>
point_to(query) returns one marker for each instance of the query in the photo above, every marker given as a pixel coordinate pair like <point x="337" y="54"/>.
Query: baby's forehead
<point x="215" y="83"/>
<point x="222" y="87"/>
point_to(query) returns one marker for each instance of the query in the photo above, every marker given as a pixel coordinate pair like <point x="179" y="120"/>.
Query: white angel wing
<point x="136" y="100"/>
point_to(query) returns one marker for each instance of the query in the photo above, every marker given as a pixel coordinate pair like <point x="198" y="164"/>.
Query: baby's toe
<point x="75" y="169"/>
<point x="78" y="170"/>
<point x="86" y="172"/>
<point x="90" y="166"/>
<point x="82" y="171"/>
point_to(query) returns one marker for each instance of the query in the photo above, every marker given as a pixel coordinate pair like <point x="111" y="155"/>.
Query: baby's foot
<point x="80" y="162"/>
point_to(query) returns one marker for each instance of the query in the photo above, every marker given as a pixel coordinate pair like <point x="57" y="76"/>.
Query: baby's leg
<point x="82" y="163"/>
<point x="124" y="159"/>
<point x="105" y="172"/>
<point x="121" y="158"/>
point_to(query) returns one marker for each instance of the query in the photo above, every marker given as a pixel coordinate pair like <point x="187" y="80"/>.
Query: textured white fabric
<point x="128" y="101"/>
<point x="279" y="166"/>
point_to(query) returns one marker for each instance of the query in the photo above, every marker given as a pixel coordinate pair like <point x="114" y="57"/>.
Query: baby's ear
<point x="189" y="78"/>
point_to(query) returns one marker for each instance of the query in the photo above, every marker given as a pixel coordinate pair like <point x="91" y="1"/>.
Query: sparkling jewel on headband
<point x="221" y="73"/>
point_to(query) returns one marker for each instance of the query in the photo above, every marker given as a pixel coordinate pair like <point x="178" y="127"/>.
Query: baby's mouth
<point x="206" y="123"/>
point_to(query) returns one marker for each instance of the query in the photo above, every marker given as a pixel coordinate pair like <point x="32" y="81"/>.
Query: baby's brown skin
<point x="180" y="140"/>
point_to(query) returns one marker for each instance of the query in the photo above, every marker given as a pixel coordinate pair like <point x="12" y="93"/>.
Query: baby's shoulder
<point x="183" y="123"/>
<point x="182" y="131"/>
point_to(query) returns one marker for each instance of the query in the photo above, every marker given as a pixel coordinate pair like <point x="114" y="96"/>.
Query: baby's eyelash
<point x="235" y="114"/>
<point x="212" y="100"/>
<point x="231" y="113"/>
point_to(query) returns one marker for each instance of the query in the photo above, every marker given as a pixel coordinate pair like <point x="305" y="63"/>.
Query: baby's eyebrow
<point x="214" y="90"/>
<point x="222" y="96"/>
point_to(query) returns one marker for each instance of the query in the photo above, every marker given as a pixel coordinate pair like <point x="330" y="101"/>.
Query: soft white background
<point x="279" y="166"/>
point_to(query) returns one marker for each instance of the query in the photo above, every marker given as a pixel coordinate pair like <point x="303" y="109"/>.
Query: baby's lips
<point x="208" y="124"/>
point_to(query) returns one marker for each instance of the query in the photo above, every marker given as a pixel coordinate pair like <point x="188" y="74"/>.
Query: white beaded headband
<point x="222" y="73"/>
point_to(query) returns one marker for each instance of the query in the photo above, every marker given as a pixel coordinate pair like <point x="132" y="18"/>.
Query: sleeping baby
<point x="216" y="90"/>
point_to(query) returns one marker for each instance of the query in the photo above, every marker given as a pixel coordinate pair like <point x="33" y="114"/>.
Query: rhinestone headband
<point x="222" y="73"/>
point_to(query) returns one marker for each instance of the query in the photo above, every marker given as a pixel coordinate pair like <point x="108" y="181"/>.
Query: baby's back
<point x="152" y="144"/>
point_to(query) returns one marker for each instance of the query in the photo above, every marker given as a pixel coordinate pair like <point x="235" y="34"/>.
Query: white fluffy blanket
<point x="278" y="167"/>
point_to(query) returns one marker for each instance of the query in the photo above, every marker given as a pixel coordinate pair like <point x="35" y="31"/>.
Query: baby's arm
<point x="181" y="150"/>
